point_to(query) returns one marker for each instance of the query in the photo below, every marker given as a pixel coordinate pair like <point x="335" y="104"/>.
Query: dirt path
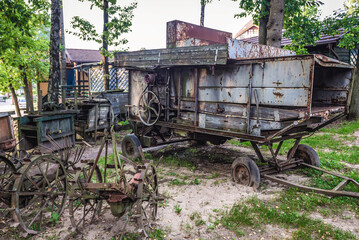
<point x="200" y="201"/>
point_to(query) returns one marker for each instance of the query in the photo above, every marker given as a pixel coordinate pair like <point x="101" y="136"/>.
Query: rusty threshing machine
<point x="235" y="89"/>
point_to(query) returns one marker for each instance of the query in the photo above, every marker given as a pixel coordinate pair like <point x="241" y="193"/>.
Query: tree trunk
<point x="203" y="5"/>
<point x="27" y="91"/>
<point x="263" y="21"/>
<point x="354" y="103"/>
<point x="106" y="77"/>
<point x="16" y="102"/>
<point x="54" y="74"/>
<point x="63" y="49"/>
<point x="275" y="23"/>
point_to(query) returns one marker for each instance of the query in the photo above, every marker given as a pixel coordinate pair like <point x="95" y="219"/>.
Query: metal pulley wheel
<point x="149" y="108"/>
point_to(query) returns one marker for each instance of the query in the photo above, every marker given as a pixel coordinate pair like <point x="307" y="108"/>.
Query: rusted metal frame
<point x="96" y="121"/>
<point x="272" y="169"/>
<point x="277" y="59"/>
<point x="97" y="159"/>
<point x="106" y="152"/>
<point x="258" y="152"/>
<point x="248" y="120"/>
<point x="339" y="116"/>
<point x="179" y="97"/>
<point x="168" y="93"/>
<point x="311" y="189"/>
<point x="310" y="89"/>
<point x="331" y="173"/>
<point x="278" y="148"/>
<point x="283" y="138"/>
<point x="196" y="87"/>
<point x="294" y="149"/>
<point x="222" y="133"/>
<point x="257" y="105"/>
<point x="286" y="129"/>
<point x="274" y="157"/>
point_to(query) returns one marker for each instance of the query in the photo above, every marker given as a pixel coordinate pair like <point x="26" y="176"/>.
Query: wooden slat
<point x="201" y="55"/>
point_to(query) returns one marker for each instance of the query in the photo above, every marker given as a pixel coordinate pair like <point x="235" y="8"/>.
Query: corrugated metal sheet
<point x="244" y="50"/>
<point x="182" y="34"/>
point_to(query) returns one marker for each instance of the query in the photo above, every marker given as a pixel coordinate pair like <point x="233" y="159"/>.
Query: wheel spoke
<point x="38" y="214"/>
<point x="154" y="110"/>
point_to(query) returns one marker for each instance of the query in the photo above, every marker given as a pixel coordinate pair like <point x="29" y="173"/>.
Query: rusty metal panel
<point x="182" y="34"/>
<point x="137" y="86"/>
<point x="297" y="97"/>
<point x="270" y="73"/>
<point x="185" y="56"/>
<point x="325" y="61"/>
<point x="244" y="50"/>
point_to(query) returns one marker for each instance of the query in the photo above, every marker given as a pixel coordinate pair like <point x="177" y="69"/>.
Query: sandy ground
<point x="204" y="201"/>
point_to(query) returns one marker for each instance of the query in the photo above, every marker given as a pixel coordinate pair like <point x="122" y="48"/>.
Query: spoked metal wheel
<point x="149" y="108"/>
<point x="84" y="205"/>
<point x="7" y="179"/>
<point x="40" y="193"/>
<point x="147" y="203"/>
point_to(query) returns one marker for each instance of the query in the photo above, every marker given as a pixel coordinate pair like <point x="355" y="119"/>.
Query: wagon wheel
<point x="40" y="193"/>
<point x="149" y="108"/>
<point x="246" y="172"/>
<point x="307" y="154"/>
<point x="130" y="146"/>
<point x="7" y="179"/>
<point x="147" y="199"/>
<point x="84" y="205"/>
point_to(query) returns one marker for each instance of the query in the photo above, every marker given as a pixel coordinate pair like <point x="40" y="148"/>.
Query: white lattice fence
<point x="118" y="79"/>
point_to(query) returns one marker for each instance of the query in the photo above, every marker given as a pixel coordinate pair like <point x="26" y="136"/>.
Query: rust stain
<point x="277" y="83"/>
<point x="278" y="94"/>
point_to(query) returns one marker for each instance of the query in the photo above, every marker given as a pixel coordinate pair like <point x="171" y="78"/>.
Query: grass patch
<point x="346" y="127"/>
<point x="254" y="214"/>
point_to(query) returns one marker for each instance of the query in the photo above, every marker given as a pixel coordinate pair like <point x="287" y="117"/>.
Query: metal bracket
<point x="216" y="56"/>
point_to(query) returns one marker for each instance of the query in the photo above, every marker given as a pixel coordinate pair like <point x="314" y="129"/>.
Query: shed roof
<point x="325" y="39"/>
<point x="82" y="55"/>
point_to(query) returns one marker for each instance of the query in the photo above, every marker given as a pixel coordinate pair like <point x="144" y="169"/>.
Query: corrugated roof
<point x="325" y="39"/>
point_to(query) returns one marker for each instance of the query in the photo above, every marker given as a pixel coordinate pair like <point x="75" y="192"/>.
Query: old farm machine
<point x="252" y="92"/>
<point x="34" y="189"/>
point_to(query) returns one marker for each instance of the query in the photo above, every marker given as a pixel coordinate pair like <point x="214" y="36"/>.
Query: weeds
<point x="177" y="209"/>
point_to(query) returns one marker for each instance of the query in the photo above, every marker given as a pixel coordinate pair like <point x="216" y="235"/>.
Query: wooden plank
<point x="184" y="56"/>
<point x="5" y="133"/>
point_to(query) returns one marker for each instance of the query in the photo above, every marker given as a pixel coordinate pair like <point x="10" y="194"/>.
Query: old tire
<point x="246" y="172"/>
<point x="308" y="154"/>
<point x="218" y="140"/>
<point x="129" y="146"/>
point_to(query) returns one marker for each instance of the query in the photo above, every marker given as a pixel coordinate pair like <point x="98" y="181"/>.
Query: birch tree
<point x="117" y="20"/>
